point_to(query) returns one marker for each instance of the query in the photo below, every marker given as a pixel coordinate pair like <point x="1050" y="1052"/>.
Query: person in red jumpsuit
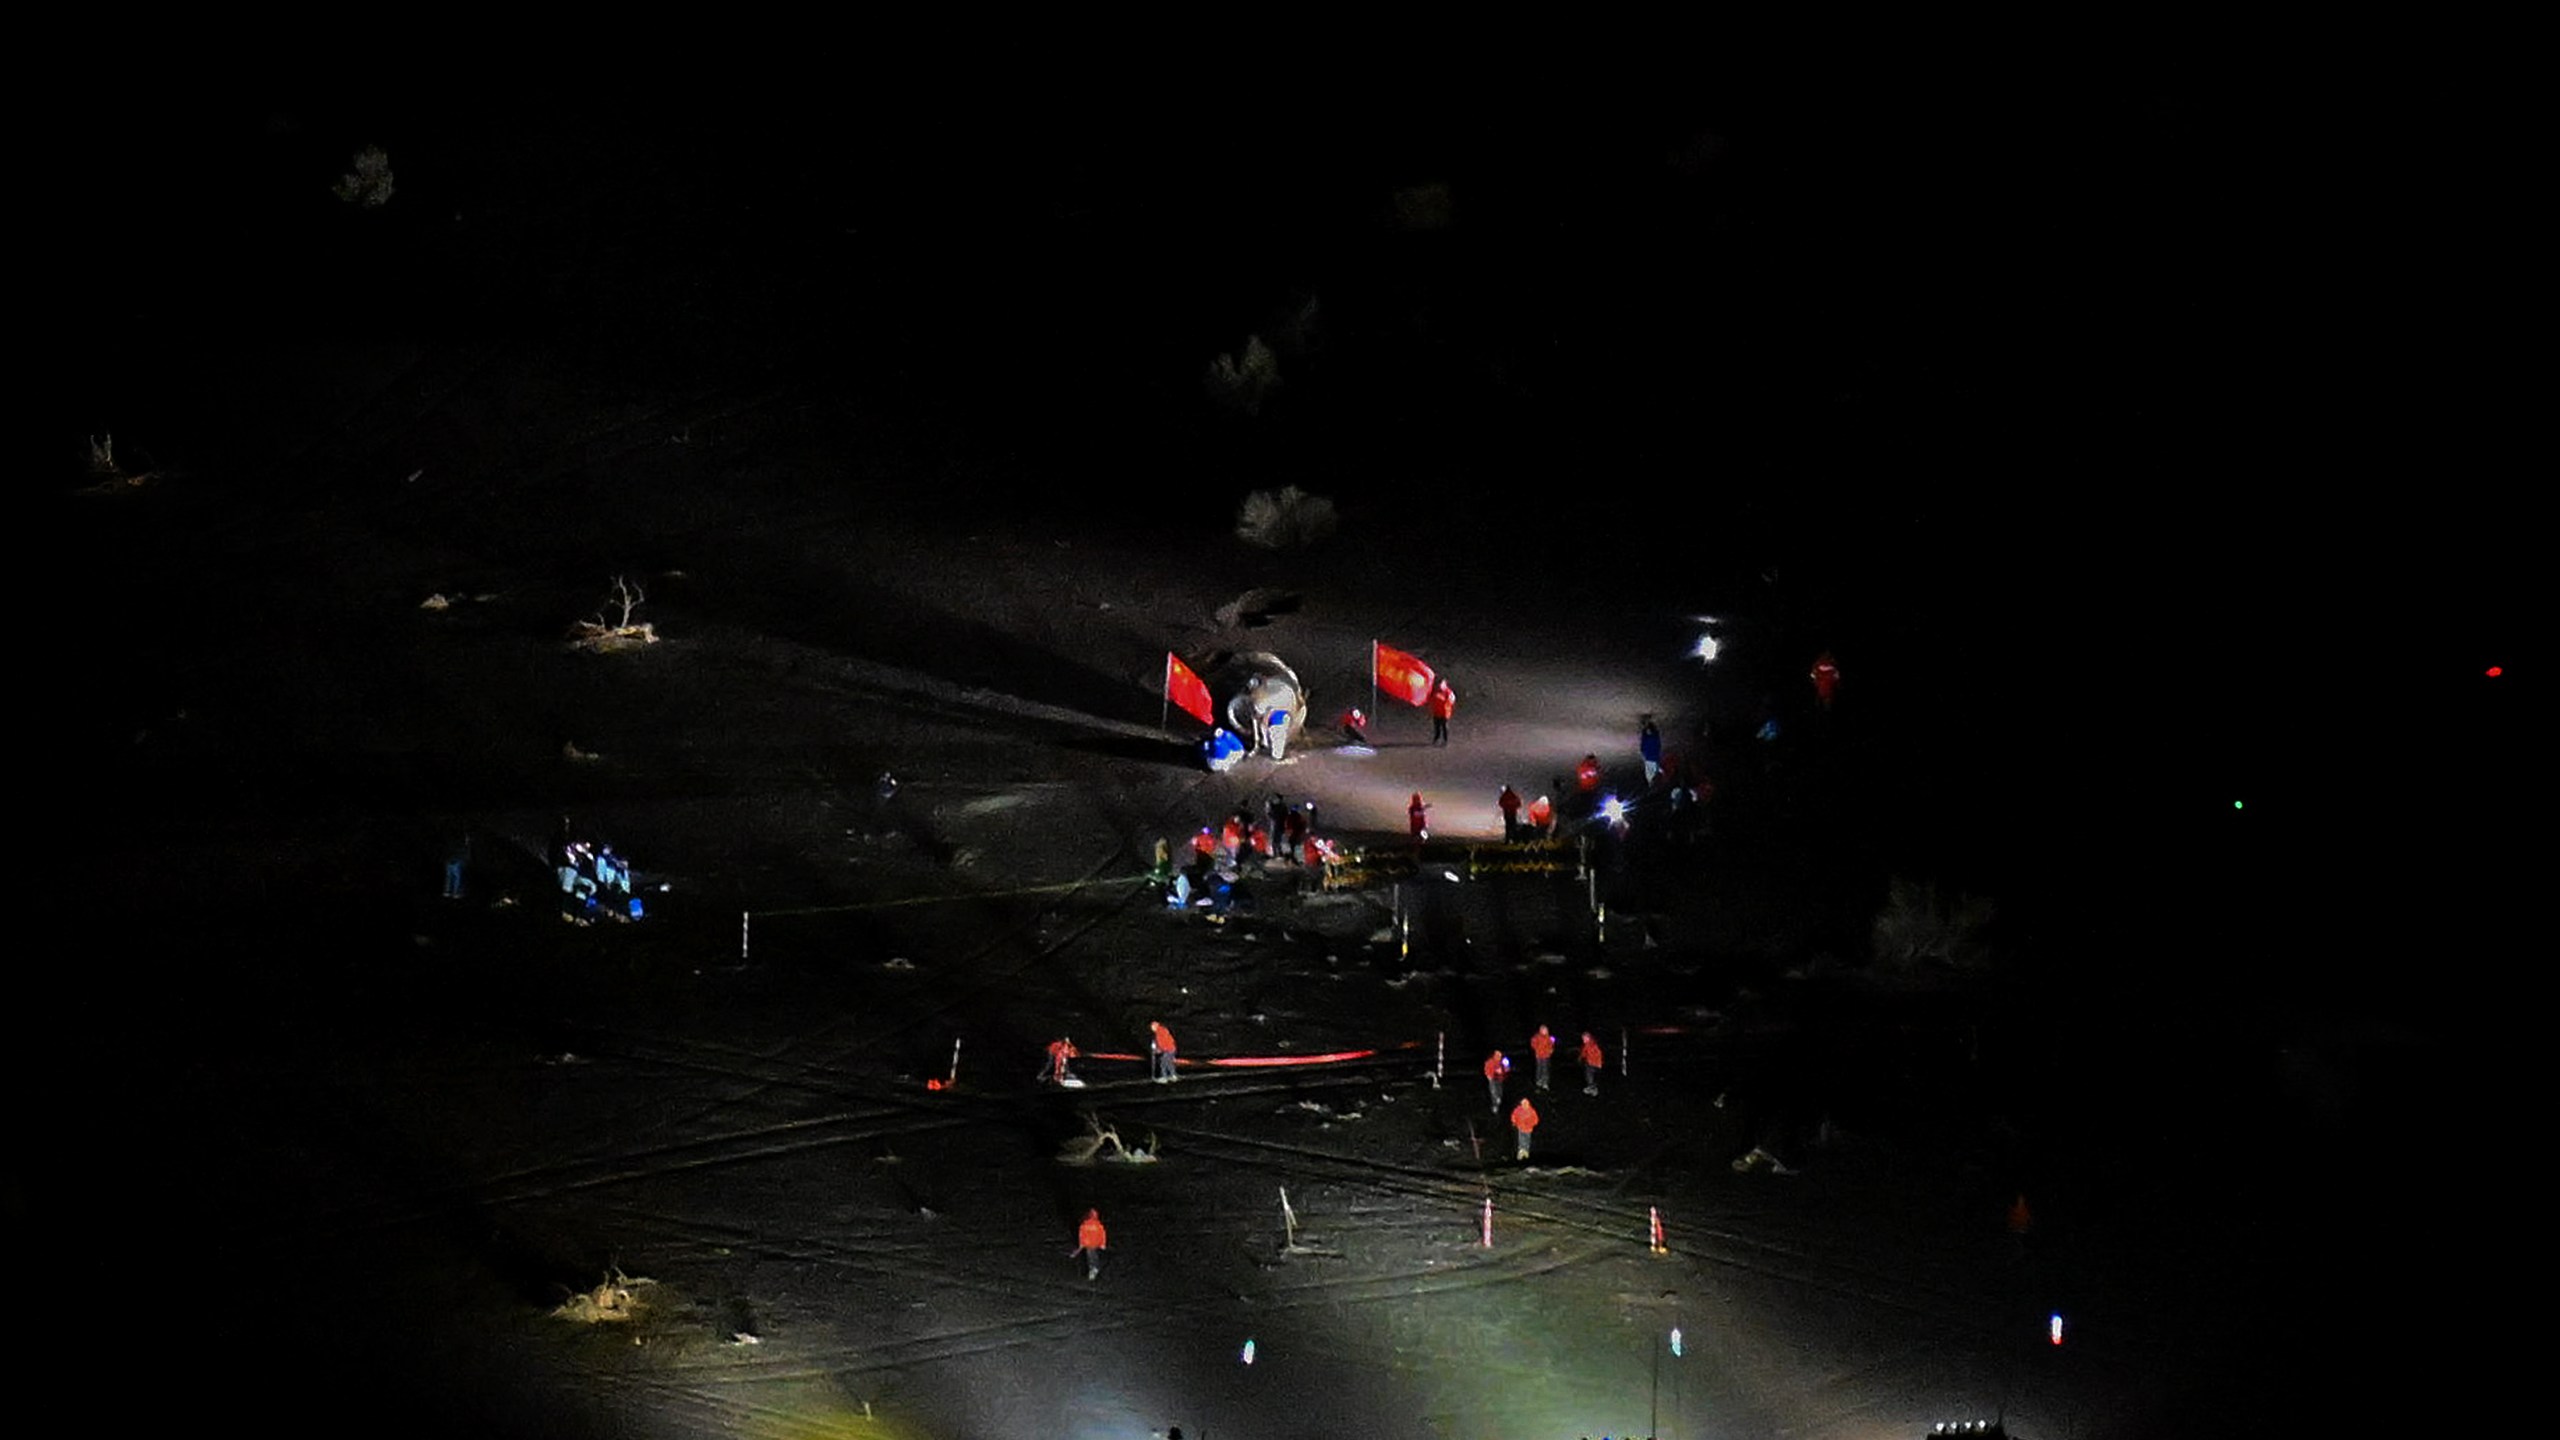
<point x="1160" y="1052"/>
<point x="1496" y="1066"/>
<point x="1524" y="1118"/>
<point x="1543" y="1046"/>
<point x="1061" y="1050"/>
<point x="1587" y="774"/>
<point x="1444" y="703"/>
<point x="1826" y="679"/>
<point x="1591" y="1064"/>
<point x="1091" y="1241"/>
<point x="1418" y="817"/>
<point x="1508" y="802"/>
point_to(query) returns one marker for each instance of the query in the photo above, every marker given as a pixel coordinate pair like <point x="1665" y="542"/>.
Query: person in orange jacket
<point x="1508" y="802"/>
<point x="1091" y="1241"/>
<point x="1591" y="1063"/>
<point x="1524" y="1118"/>
<point x="1444" y="703"/>
<point x="1159" y="1052"/>
<point x="1586" y="775"/>
<point x="1417" y="817"/>
<point x="1543" y="1046"/>
<point x="1826" y="679"/>
<point x="1496" y="1066"/>
<point x="1061" y="1050"/>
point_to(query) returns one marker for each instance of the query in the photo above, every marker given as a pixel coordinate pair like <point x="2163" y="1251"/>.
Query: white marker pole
<point x="1488" y="1226"/>
<point x="743" y="917"/>
<point x="1440" y="1060"/>
<point x="955" y="1062"/>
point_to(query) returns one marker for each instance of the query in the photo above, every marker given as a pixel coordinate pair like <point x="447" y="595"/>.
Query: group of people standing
<point x="1542" y="1049"/>
<point x="1274" y="832"/>
<point x="592" y="877"/>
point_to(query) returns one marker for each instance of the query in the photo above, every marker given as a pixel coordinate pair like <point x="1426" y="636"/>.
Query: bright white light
<point x="1707" y="645"/>
<point x="2055" y="1329"/>
<point x="1675" y="1342"/>
<point x="1248" y="1352"/>
<point x="1614" y="810"/>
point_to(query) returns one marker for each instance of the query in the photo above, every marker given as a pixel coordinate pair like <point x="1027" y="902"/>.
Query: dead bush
<point x="1243" y="386"/>
<point x="108" y="476"/>
<point x="613" y="627"/>
<point x="369" y="183"/>
<point x="616" y="1299"/>
<point x="1102" y="1142"/>
<point x="1277" y="520"/>
<point x="1919" y="928"/>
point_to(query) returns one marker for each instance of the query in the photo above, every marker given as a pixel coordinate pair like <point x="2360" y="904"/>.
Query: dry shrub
<point x="612" y="628"/>
<point x="616" y="1299"/>
<point x="1920" y="927"/>
<point x="1101" y="1142"/>
<point x="1243" y="387"/>
<point x="1276" y="520"/>
<point x="369" y="183"/>
<point x="106" y="475"/>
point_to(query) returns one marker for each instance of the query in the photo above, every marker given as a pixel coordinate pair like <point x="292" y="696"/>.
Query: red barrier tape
<point x="1266" y="1060"/>
<point x="1251" y="1061"/>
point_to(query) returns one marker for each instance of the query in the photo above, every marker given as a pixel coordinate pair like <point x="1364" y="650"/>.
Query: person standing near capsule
<point x="1444" y="703"/>
<point x="1592" y="1061"/>
<point x="1496" y="1066"/>
<point x="1524" y="1118"/>
<point x="1542" y="1046"/>
<point x="1649" y="749"/>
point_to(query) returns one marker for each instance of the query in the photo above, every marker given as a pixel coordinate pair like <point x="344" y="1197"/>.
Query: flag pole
<point x="1373" y="677"/>
<point x="1164" y="711"/>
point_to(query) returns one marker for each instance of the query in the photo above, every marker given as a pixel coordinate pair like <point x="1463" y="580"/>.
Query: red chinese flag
<point x="1186" y="689"/>
<point x="1401" y="675"/>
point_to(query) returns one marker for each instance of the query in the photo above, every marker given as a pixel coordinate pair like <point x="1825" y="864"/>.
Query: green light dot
<point x="2236" y="805"/>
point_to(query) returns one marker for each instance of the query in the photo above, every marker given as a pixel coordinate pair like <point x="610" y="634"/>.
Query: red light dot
<point x="2497" y="670"/>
